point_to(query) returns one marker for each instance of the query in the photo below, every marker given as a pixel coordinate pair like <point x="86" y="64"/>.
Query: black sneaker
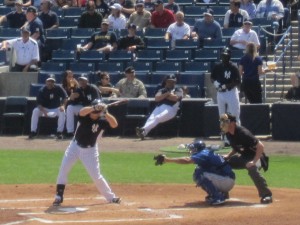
<point x="69" y="135"/>
<point x="58" y="200"/>
<point x="116" y="200"/>
<point x="32" y="135"/>
<point x="266" y="200"/>
<point x="59" y="136"/>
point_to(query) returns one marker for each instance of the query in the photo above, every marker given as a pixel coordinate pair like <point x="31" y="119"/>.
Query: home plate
<point x="66" y="210"/>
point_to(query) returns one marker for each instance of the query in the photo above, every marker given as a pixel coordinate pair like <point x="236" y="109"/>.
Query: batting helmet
<point x="196" y="146"/>
<point x="96" y="101"/>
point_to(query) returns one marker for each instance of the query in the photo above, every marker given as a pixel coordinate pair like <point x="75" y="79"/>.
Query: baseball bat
<point x="117" y="103"/>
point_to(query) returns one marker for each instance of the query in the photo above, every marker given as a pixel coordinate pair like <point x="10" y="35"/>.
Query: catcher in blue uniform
<point x="212" y="173"/>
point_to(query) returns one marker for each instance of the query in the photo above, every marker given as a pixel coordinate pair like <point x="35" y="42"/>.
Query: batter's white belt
<point x="81" y="145"/>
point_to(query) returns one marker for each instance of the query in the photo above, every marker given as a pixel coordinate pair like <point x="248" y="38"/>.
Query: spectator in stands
<point x="116" y="19"/>
<point x="140" y="17"/>
<point x="107" y="90"/>
<point x="172" y="6"/>
<point x="62" y="3"/>
<point x="186" y="92"/>
<point x="51" y="100"/>
<point x="161" y="17"/>
<point x="103" y="40"/>
<point x="131" y="42"/>
<point x="272" y="10"/>
<point x="90" y="18"/>
<point x="27" y="52"/>
<point x="250" y="68"/>
<point x="35" y="25"/>
<point x="178" y="30"/>
<point x="243" y="36"/>
<point x="207" y="28"/>
<point x="127" y="7"/>
<point x="24" y="3"/>
<point x="82" y="96"/>
<point x="149" y="6"/>
<point x="130" y="86"/>
<point x="168" y="101"/>
<point x="17" y="18"/>
<point x="208" y="1"/>
<point x="48" y="17"/>
<point x="250" y="7"/>
<point x="69" y="83"/>
<point x="235" y="16"/>
<point x="102" y="8"/>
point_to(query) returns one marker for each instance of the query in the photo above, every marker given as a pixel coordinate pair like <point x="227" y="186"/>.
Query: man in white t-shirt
<point x="243" y="36"/>
<point x="178" y="30"/>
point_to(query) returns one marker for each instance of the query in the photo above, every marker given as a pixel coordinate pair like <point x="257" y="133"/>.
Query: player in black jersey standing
<point x="93" y="120"/>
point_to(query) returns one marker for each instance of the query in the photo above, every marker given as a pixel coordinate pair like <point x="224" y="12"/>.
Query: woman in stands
<point x="106" y="88"/>
<point x="69" y="83"/>
<point x="250" y="68"/>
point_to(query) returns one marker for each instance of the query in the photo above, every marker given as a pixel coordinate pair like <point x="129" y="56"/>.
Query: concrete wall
<point x="16" y="84"/>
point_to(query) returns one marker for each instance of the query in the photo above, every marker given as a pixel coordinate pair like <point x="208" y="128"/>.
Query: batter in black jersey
<point x="247" y="153"/>
<point x="93" y="120"/>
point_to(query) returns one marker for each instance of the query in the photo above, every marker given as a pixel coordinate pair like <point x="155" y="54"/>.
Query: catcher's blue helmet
<point x="196" y="146"/>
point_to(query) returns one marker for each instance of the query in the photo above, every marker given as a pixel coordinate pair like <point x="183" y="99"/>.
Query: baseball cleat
<point x="218" y="201"/>
<point x="116" y="200"/>
<point x="140" y="133"/>
<point x="57" y="201"/>
<point x="59" y="136"/>
<point x="266" y="200"/>
<point x="32" y="135"/>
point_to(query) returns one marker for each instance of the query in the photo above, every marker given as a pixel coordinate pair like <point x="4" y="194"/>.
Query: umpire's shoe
<point x="266" y="200"/>
<point x="58" y="200"/>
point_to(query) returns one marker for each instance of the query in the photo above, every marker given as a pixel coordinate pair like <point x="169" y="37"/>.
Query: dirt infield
<point x="142" y="203"/>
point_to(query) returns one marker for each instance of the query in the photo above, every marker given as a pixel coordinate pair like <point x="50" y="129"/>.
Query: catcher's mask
<point x="226" y="55"/>
<point x="196" y="146"/>
<point x="96" y="102"/>
<point x="225" y="120"/>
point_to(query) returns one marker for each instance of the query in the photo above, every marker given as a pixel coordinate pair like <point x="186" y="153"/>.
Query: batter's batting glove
<point x="101" y="107"/>
<point x="159" y="159"/>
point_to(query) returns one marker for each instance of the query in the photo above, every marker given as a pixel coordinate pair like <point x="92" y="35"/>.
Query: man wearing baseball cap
<point x="168" y="102"/>
<point x="243" y="36"/>
<point x="103" y="40"/>
<point x="140" y="17"/>
<point x="116" y="19"/>
<point x="235" y="16"/>
<point x="26" y="49"/>
<point x="207" y="28"/>
<point x="131" y="42"/>
<point x="48" y="17"/>
<point x="161" y="17"/>
<point x="17" y="18"/>
<point x="51" y="100"/>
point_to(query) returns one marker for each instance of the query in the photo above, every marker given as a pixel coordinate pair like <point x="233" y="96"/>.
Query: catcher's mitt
<point x="159" y="159"/>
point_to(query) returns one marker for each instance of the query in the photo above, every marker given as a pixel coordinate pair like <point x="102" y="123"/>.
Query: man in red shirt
<point x="161" y="17"/>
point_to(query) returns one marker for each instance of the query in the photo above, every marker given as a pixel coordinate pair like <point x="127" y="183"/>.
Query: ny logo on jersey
<point x="89" y="97"/>
<point x="51" y="96"/>
<point x="95" y="128"/>
<point x="227" y="74"/>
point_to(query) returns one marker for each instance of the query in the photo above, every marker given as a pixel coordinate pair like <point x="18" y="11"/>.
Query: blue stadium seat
<point x="219" y="10"/>
<point x="178" y="55"/>
<point x="228" y="32"/>
<point x="73" y="12"/>
<point x="142" y="66"/>
<point x="68" y="22"/>
<point x="168" y="67"/>
<point x="59" y="11"/>
<point x="63" y="55"/>
<point x="151" y="33"/>
<point x="207" y="4"/>
<point x="34" y="89"/>
<point x="216" y="43"/>
<point x="264" y="22"/>
<point x="157" y="43"/>
<point x="71" y="43"/>
<point x="92" y="56"/>
<point x="9" y="33"/>
<point x="151" y="90"/>
<point x="120" y="55"/>
<point x="194" y="11"/>
<point x="53" y="66"/>
<point x="182" y="3"/>
<point x="3" y="59"/>
<point x="158" y="77"/>
<point x="236" y="55"/>
<point x="194" y="79"/>
<point x="186" y="44"/>
<point x="5" y="10"/>
<point x="43" y="75"/>
<point x="190" y="21"/>
<point x="220" y="20"/>
<point x="82" y="33"/>
<point x="124" y="33"/>
<point x="207" y="55"/>
<point x="115" y="70"/>
<point x="149" y="55"/>
<point x="194" y="90"/>
<point x="196" y="67"/>
<point x="57" y="33"/>
<point x="79" y="68"/>
<point x="223" y="2"/>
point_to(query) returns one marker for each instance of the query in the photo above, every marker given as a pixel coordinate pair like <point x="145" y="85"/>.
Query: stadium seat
<point x="182" y="3"/>
<point x="216" y="43"/>
<point x="58" y="33"/>
<point x="207" y="4"/>
<point x="168" y="67"/>
<point x="82" y="33"/>
<point x="63" y="55"/>
<point x="124" y="33"/>
<point x="219" y="10"/>
<point x="264" y="22"/>
<point x="141" y="66"/>
<point x="73" y="12"/>
<point x="52" y="67"/>
<point x="190" y="21"/>
<point x="223" y="2"/>
<point x="236" y="55"/>
<point x="207" y="55"/>
<point x="149" y="55"/>
<point x="59" y="12"/>
<point x="43" y="75"/>
<point x="228" y="32"/>
<point x="220" y="19"/>
<point x="120" y="55"/>
<point x="157" y="43"/>
<point x="3" y="58"/>
<point x="194" y="11"/>
<point x="194" y="79"/>
<point x="151" y="33"/>
<point x="71" y="43"/>
<point x="92" y="56"/>
<point x="68" y="22"/>
<point x="79" y="68"/>
<point x="34" y="89"/>
<point x="157" y="78"/>
<point x="5" y="10"/>
<point x="115" y="70"/>
<point x="196" y="67"/>
<point x="193" y="90"/>
<point x="178" y="55"/>
<point x="186" y="44"/>
<point x="151" y="90"/>
<point x="7" y="33"/>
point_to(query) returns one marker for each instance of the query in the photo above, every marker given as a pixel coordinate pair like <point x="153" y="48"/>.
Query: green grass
<point x="33" y="167"/>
